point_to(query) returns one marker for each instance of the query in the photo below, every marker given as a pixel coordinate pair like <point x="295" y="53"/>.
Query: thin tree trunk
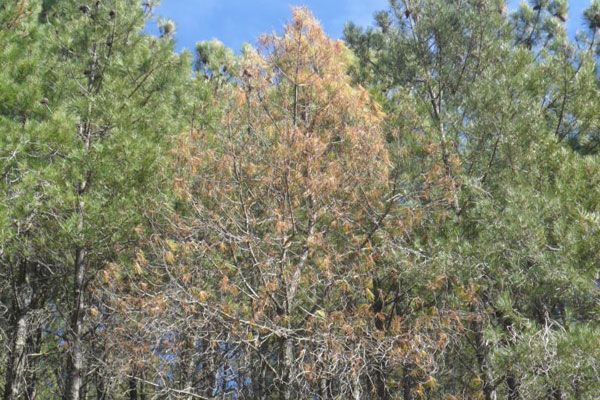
<point x="35" y="344"/>
<point x="75" y="356"/>
<point x="75" y="360"/>
<point x="16" y="360"/>
<point x="288" y="359"/>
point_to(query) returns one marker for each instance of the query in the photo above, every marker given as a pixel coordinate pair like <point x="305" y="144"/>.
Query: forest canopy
<point x="411" y="212"/>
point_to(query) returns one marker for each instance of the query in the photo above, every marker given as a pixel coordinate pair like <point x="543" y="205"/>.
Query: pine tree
<point x="24" y="117"/>
<point x="497" y="96"/>
<point x="287" y="193"/>
<point x="89" y="148"/>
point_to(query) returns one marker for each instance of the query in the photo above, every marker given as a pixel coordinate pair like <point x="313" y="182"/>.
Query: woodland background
<point x="410" y="213"/>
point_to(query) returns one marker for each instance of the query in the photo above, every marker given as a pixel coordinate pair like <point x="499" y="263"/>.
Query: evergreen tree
<point x="85" y="150"/>
<point x="499" y="97"/>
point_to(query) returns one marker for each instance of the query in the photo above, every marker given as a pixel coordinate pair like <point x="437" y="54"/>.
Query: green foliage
<point x="592" y="15"/>
<point x="90" y="105"/>
<point x="515" y="252"/>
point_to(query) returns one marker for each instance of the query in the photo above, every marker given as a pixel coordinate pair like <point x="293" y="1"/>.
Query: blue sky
<point x="235" y="22"/>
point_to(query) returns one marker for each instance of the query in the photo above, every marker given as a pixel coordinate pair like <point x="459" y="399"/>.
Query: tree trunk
<point x="34" y="344"/>
<point x="75" y="355"/>
<point x="288" y="359"/>
<point x="16" y="359"/>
